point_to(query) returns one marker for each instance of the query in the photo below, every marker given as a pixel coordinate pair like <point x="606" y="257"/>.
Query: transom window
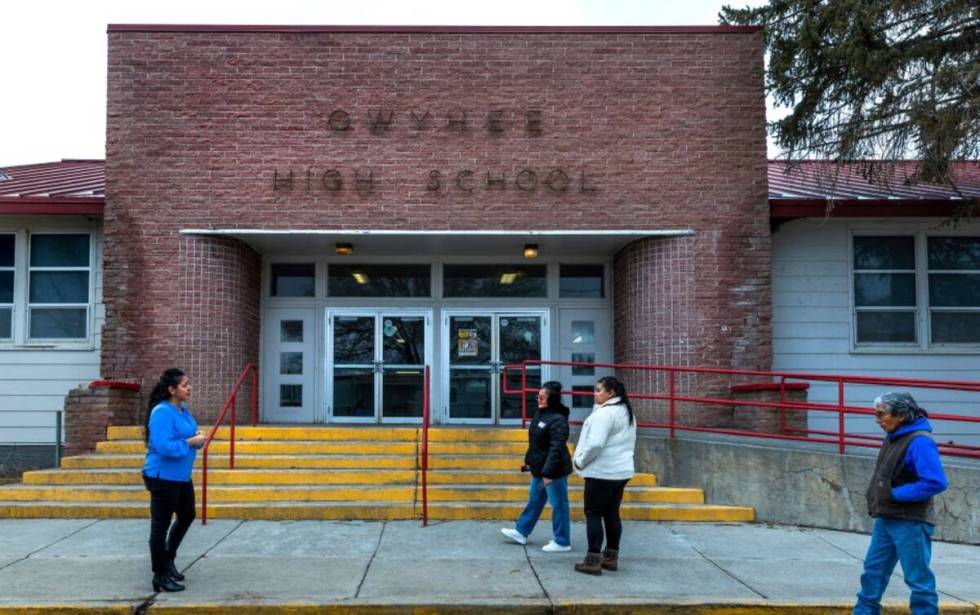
<point x="893" y="306"/>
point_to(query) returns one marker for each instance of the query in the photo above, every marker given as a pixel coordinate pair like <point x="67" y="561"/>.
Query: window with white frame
<point x="8" y="242"/>
<point x="916" y="290"/>
<point x="59" y="276"/>
<point x="954" y="290"/>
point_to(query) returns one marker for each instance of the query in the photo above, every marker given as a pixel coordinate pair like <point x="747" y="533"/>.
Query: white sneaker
<point x="514" y="535"/>
<point x="554" y="547"/>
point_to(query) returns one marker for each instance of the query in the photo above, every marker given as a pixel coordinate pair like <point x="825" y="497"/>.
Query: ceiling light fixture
<point x="530" y="250"/>
<point x="344" y="249"/>
<point x="360" y="277"/>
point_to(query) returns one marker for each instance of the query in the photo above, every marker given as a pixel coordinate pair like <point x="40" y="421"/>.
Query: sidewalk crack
<point x="719" y="567"/>
<point x="367" y="568"/>
<point x="36" y="551"/>
<point x="551" y="603"/>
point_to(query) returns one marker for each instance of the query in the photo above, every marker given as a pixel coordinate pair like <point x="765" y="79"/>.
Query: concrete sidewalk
<point x="450" y="567"/>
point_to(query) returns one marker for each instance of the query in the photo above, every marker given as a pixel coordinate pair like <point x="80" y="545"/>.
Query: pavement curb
<point x="562" y="608"/>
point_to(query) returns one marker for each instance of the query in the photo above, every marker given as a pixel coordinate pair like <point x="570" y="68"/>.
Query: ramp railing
<point x="670" y="377"/>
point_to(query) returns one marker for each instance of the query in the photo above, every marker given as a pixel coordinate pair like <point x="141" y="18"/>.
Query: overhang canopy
<point x="434" y="242"/>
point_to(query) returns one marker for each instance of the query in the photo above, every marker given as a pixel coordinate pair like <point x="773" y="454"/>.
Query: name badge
<point x="541" y="425"/>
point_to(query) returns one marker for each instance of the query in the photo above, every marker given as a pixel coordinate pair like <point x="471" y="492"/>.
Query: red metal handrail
<point x="230" y="404"/>
<point x="841" y="437"/>
<point x="424" y="469"/>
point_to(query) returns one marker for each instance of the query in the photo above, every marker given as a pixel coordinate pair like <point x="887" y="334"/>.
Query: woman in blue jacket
<point x="172" y="440"/>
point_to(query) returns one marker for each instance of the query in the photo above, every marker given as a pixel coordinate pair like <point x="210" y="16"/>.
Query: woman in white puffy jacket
<point x="604" y="458"/>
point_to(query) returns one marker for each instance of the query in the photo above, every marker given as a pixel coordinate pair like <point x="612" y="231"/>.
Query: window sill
<point x="917" y="350"/>
<point x="76" y="346"/>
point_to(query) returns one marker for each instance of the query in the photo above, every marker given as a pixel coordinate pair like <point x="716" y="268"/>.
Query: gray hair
<point x="900" y="405"/>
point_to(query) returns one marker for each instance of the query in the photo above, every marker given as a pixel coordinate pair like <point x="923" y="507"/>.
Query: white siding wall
<point x="35" y="381"/>
<point x="812" y="327"/>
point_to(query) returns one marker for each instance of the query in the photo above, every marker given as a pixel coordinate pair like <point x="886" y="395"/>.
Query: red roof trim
<point x="438" y="29"/>
<point x="79" y="205"/>
<point x="861" y="208"/>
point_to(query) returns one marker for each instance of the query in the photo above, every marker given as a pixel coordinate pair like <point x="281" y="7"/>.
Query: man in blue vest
<point x="907" y="475"/>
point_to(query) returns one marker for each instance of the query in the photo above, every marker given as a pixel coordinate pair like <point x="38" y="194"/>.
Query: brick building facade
<point x="228" y="147"/>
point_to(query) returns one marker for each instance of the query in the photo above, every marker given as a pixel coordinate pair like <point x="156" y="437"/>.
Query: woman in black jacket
<point x="550" y="464"/>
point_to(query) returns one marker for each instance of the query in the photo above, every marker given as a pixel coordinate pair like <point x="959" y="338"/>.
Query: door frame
<point x="496" y="391"/>
<point x="328" y="363"/>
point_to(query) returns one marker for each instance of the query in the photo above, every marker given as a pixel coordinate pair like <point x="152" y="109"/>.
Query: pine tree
<point x="874" y="80"/>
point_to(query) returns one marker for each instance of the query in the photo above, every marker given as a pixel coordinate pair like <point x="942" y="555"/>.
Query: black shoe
<point x="163" y="582"/>
<point x="174" y="573"/>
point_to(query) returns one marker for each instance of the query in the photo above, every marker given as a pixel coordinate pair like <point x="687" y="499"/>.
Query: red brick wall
<point x="88" y="412"/>
<point x="668" y="129"/>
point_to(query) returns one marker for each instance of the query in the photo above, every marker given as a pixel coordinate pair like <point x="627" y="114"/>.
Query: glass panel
<point x="954" y="252"/>
<point x="583" y="357"/>
<point x="6" y="286"/>
<point x="520" y="338"/>
<point x="7" y="250"/>
<point x="293" y="279"/>
<point x="402" y="392"/>
<point x="955" y="327"/>
<point x="884" y="289"/>
<point x="583" y="401"/>
<point x="291" y="331"/>
<point x="469" y="393"/>
<point x="583" y="332"/>
<point x="954" y="289"/>
<point x="58" y="323"/>
<point x="884" y="253"/>
<point x="291" y="395"/>
<point x="885" y="326"/>
<point x="510" y="405"/>
<point x="403" y="340"/>
<point x="495" y="280"/>
<point x="59" y="251"/>
<point x="5" y="328"/>
<point x="290" y="362"/>
<point x="59" y="287"/>
<point x="353" y="340"/>
<point x="469" y="340"/>
<point x="379" y="280"/>
<point x="353" y="392"/>
<point x="577" y="281"/>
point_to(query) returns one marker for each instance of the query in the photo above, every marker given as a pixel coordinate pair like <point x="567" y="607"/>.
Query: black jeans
<point x="602" y="500"/>
<point x="166" y="498"/>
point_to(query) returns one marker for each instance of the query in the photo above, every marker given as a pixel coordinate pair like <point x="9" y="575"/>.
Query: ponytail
<point x="610" y="383"/>
<point x="160" y="392"/>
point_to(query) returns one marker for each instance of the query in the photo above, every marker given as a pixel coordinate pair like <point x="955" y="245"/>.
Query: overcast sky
<point x="54" y="52"/>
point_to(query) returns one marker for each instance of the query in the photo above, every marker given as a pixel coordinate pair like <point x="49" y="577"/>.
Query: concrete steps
<point x="327" y="473"/>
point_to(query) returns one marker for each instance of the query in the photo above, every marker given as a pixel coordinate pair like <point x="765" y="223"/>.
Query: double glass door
<point x="477" y="347"/>
<point x="376" y="364"/>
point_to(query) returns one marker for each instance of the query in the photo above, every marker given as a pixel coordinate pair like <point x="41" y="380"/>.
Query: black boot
<point x="174" y="573"/>
<point x="163" y="582"/>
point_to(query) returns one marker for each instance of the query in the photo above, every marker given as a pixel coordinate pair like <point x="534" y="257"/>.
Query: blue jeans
<point x="892" y="541"/>
<point x="557" y="495"/>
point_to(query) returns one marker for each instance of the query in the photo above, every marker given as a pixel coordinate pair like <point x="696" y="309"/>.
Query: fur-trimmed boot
<point x="610" y="559"/>
<point x="591" y="565"/>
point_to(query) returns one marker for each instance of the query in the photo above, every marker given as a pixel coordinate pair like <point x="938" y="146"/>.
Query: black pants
<point x="602" y="500"/>
<point x="166" y="498"/>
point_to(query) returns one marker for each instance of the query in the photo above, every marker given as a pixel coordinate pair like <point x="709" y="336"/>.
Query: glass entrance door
<point x="477" y="346"/>
<point x="376" y="365"/>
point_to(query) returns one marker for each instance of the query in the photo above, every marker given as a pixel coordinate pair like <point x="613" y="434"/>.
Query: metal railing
<point x="230" y="404"/>
<point x="781" y="380"/>
<point x="424" y="465"/>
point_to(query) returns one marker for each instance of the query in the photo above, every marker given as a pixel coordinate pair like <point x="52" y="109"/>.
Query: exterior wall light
<point x="344" y="249"/>
<point x="530" y="250"/>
